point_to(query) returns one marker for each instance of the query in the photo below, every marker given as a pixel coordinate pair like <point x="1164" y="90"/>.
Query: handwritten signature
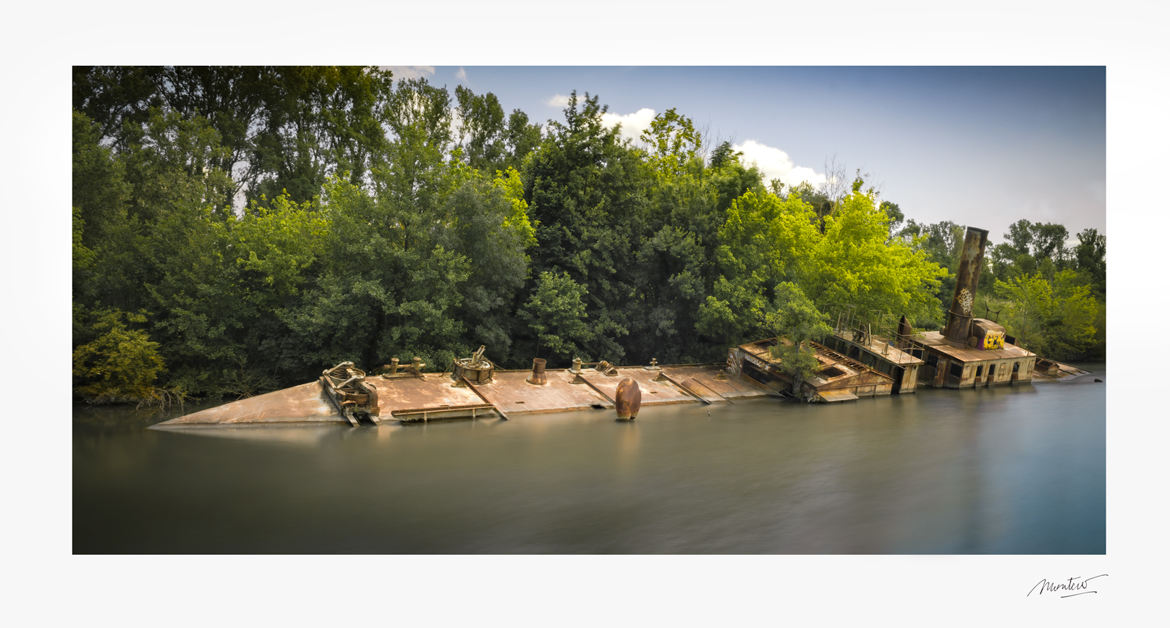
<point x="1071" y="588"/>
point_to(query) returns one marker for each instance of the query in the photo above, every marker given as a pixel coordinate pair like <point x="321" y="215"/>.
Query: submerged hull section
<point x="304" y="403"/>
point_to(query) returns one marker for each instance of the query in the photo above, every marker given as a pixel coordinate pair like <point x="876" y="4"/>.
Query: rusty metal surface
<point x="476" y="369"/>
<point x="655" y="391"/>
<point x="837" y="371"/>
<point x="935" y="341"/>
<point x="832" y="359"/>
<point x="716" y="379"/>
<point x="833" y="396"/>
<point x="959" y="315"/>
<point x="433" y="391"/>
<point x="877" y="345"/>
<point x="1057" y="371"/>
<point x="697" y="388"/>
<point x="297" y="404"/>
<point x="538" y="377"/>
<point x="904" y="331"/>
<point x="511" y="392"/>
<point x="627" y="399"/>
<point x="406" y="397"/>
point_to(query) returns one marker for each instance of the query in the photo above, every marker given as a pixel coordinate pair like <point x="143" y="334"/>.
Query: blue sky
<point x="981" y="146"/>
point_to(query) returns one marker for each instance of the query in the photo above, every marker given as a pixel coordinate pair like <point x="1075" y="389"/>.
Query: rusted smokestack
<point x="537" y="376"/>
<point x="970" y="261"/>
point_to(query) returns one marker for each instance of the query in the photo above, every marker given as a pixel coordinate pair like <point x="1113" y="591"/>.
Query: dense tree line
<point x="239" y="229"/>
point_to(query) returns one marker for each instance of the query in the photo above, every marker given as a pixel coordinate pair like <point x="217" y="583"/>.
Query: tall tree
<point x="520" y="138"/>
<point x="1089" y="255"/>
<point x="857" y="268"/>
<point x="586" y="190"/>
<point x="764" y="242"/>
<point x="556" y="313"/>
<point x="481" y="129"/>
<point x="796" y="321"/>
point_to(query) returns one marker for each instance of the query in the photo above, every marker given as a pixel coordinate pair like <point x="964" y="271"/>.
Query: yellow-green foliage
<point x="856" y="266"/>
<point x="277" y="240"/>
<point x="1055" y="319"/>
<point x="510" y="184"/>
<point x="850" y="265"/>
<point x="120" y="364"/>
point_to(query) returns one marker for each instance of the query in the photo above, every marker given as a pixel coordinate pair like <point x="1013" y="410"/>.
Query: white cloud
<point x="410" y="71"/>
<point x="632" y="123"/>
<point x="559" y="100"/>
<point x="461" y="75"/>
<point x="776" y="164"/>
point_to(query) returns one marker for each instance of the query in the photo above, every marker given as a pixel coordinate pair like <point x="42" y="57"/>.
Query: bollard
<point x="628" y="399"/>
<point x="537" y="376"/>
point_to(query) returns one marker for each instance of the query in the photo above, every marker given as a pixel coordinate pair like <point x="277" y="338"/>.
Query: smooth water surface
<point x="1004" y="470"/>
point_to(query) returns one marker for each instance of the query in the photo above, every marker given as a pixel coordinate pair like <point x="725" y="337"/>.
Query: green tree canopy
<point x="1055" y="319"/>
<point x="795" y="319"/>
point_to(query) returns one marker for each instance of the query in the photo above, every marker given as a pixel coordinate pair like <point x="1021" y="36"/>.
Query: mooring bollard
<point x="537" y="376"/>
<point x="628" y="399"/>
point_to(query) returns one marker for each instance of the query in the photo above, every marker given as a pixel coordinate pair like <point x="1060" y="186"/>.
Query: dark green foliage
<point x="586" y="189"/>
<point x="481" y="129"/>
<point x="556" y="315"/>
<point x="895" y="214"/>
<point x="264" y="223"/>
<point x="1089" y="257"/>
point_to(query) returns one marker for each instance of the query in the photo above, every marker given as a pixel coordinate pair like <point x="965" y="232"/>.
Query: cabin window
<point x="957" y="369"/>
<point x="978" y="370"/>
<point x="1015" y="367"/>
<point x="931" y="359"/>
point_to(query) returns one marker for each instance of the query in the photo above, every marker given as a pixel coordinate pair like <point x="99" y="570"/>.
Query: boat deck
<point x="436" y="395"/>
<point x="935" y="340"/>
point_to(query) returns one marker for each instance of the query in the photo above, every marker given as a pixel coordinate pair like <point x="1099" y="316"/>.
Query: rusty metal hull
<point x="836" y="372"/>
<point x="512" y="393"/>
<point x="434" y="396"/>
<point x="952" y="365"/>
<point x="291" y="405"/>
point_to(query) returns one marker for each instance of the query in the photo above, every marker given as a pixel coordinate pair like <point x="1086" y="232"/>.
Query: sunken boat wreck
<point x="853" y="363"/>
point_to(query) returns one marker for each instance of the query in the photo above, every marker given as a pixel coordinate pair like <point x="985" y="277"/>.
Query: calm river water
<point x="998" y="471"/>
